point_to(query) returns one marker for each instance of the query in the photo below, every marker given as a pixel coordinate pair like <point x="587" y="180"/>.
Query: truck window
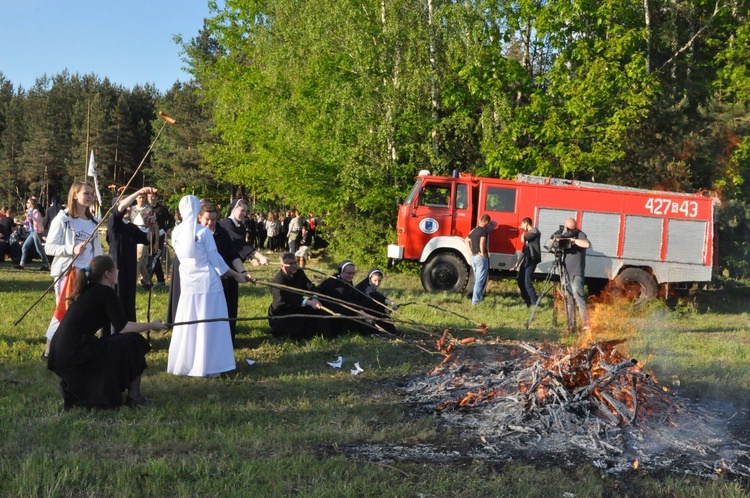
<point x="462" y="196"/>
<point x="436" y="196"/>
<point x="414" y="191"/>
<point x="500" y="199"/>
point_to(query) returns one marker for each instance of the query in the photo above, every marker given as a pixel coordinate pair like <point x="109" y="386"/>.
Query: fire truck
<point x="639" y="238"/>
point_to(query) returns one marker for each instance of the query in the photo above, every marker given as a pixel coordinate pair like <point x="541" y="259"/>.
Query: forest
<point x="334" y="106"/>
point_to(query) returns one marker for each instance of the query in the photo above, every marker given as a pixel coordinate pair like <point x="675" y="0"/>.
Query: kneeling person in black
<point x="288" y="302"/>
<point x="379" y="305"/>
<point x="349" y="302"/>
<point x="96" y="371"/>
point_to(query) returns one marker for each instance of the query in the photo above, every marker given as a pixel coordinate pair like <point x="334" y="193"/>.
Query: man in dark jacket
<point x="532" y="256"/>
<point x="574" y="261"/>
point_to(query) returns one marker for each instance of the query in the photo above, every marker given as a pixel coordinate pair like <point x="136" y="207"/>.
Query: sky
<point x="128" y="41"/>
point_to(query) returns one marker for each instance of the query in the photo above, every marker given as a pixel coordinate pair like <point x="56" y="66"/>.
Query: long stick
<point x="255" y="318"/>
<point x="167" y="120"/>
<point x="418" y="327"/>
<point x="480" y="324"/>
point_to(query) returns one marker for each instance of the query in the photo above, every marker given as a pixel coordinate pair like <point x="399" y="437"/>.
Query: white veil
<point x="184" y="235"/>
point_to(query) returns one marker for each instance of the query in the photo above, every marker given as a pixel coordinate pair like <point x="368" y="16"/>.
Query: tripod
<point x="558" y="268"/>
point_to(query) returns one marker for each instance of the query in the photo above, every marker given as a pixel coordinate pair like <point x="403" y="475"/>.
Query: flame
<point x="635" y="464"/>
<point x="600" y="376"/>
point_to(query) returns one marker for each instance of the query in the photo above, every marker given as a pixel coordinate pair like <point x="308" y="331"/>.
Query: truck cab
<point x="438" y="215"/>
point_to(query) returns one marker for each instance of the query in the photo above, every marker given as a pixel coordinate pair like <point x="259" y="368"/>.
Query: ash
<point x="571" y="405"/>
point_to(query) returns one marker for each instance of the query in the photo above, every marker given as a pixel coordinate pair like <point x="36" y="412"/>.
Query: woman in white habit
<point x="201" y="349"/>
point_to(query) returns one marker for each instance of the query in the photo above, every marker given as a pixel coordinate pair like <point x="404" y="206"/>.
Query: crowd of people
<point x="93" y="340"/>
<point x="22" y="237"/>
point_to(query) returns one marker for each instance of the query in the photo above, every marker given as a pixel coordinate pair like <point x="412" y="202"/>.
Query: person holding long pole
<point x="95" y="372"/>
<point x="73" y="238"/>
<point x="201" y="349"/>
<point x="123" y="238"/>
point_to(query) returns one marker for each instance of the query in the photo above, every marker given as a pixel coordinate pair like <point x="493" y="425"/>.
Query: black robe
<point x="238" y="234"/>
<point x="375" y="304"/>
<point x="122" y="239"/>
<point x="96" y="371"/>
<point x="336" y="288"/>
<point x="228" y="252"/>
<point x="288" y="302"/>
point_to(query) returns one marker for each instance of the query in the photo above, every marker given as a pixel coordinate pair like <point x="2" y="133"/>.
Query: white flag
<point x="92" y="172"/>
<point x="92" y="165"/>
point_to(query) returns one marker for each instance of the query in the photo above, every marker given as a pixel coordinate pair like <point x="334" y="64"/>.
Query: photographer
<point x="572" y="243"/>
<point x="532" y="256"/>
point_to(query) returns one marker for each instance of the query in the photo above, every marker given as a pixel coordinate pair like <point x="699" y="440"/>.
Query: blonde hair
<point x="73" y="206"/>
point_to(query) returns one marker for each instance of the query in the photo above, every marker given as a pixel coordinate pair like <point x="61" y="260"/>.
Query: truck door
<point x="462" y="212"/>
<point x="501" y="204"/>
<point x="432" y="214"/>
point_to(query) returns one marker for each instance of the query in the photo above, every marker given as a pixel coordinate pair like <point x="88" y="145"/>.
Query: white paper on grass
<point x="337" y="363"/>
<point x="357" y="369"/>
<point x="250" y="362"/>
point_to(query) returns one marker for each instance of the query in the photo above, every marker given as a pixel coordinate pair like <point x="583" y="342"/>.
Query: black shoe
<point x="44" y="268"/>
<point x="18" y="267"/>
<point x="137" y="403"/>
<point x="146" y="285"/>
<point x="69" y="400"/>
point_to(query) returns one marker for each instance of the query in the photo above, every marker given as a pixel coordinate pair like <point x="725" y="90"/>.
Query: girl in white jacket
<point x="70" y="240"/>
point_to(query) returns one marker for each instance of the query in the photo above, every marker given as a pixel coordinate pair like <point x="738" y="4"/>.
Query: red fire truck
<point x="638" y="237"/>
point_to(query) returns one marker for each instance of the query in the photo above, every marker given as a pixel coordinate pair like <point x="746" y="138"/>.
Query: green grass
<point x="276" y="428"/>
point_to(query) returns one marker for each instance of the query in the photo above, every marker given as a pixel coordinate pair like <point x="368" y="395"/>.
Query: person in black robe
<point x="228" y="252"/>
<point x="96" y="371"/>
<point x="340" y="287"/>
<point x="379" y="305"/>
<point x="55" y="206"/>
<point x="123" y="238"/>
<point x="236" y="227"/>
<point x="288" y="302"/>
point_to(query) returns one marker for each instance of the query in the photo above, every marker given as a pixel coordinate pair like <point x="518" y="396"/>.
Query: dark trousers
<point x="301" y="328"/>
<point x="525" y="281"/>
<point x="158" y="270"/>
<point x="232" y="295"/>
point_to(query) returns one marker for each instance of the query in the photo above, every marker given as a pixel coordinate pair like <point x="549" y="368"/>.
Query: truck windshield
<point x="414" y="191"/>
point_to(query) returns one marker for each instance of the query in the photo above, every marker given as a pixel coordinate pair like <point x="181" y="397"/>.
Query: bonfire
<point x="571" y="405"/>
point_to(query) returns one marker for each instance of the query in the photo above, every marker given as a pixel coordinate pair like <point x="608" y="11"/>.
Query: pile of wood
<point x="589" y="402"/>
<point x="596" y="380"/>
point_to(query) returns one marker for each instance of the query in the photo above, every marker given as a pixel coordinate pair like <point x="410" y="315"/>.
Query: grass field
<point x="275" y="428"/>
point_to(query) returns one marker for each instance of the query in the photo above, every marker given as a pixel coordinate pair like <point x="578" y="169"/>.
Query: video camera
<point x="559" y="246"/>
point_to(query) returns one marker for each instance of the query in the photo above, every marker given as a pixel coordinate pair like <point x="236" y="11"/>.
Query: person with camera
<point x="572" y="243"/>
<point x="531" y="257"/>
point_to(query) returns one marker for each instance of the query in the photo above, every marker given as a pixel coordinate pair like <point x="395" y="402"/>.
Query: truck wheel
<point x="636" y="285"/>
<point x="445" y="272"/>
